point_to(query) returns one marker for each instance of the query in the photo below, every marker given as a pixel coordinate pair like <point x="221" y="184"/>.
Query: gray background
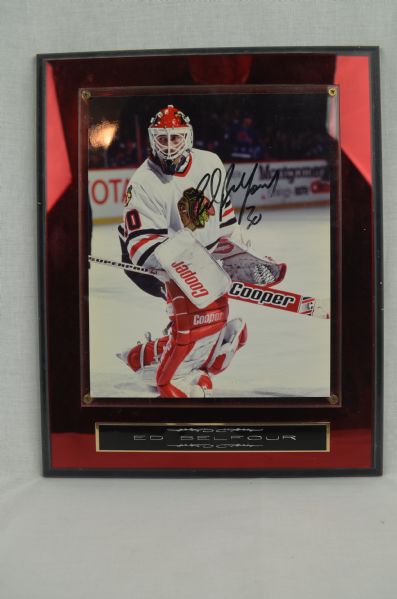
<point x="164" y="538"/>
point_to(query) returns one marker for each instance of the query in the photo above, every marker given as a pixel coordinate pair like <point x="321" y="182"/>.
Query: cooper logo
<point x="198" y="289"/>
<point x="261" y="296"/>
<point x="207" y="318"/>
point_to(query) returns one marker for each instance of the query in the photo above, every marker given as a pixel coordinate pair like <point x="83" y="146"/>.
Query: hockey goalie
<point x="176" y="224"/>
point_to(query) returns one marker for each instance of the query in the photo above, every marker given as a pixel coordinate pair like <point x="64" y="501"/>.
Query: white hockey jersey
<point x="151" y="206"/>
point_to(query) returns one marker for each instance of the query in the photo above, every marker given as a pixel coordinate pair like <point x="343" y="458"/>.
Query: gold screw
<point x="333" y="400"/>
<point x="86" y="95"/>
<point x="87" y="399"/>
<point x="332" y="91"/>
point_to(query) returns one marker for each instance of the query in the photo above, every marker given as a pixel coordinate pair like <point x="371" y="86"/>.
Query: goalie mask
<point x="171" y="139"/>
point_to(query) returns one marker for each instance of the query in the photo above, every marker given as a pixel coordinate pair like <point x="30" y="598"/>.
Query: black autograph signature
<point x="221" y="190"/>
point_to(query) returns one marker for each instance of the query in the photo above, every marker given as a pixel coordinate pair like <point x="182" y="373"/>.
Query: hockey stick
<point x="248" y="292"/>
<point x="126" y="266"/>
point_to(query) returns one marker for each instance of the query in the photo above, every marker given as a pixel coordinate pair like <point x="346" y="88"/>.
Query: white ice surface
<point x="286" y="354"/>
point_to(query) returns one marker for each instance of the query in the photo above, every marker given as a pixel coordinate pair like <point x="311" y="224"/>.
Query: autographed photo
<point x="210" y="224"/>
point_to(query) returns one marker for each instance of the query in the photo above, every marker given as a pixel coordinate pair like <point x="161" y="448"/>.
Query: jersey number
<point x="132" y="220"/>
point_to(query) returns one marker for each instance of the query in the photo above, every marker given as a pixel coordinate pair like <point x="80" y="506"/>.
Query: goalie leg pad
<point x="194" y="333"/>
<point x="190" y="323"/>
<point x="146" y="354"/>
<point x="232" y="338"/>
<point x="188" y="380"/>
<point x="197" y="384"/>
<point x="166" y="362"/>
<point x="144" y="358"/>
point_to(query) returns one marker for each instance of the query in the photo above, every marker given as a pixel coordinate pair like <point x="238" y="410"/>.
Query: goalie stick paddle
<point x="248" y="292"/>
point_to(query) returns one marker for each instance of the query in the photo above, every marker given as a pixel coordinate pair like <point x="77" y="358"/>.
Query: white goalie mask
<point x="171" y="138"/>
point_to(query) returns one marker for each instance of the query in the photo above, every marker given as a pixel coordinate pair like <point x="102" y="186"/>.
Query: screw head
<point x="333" y="400"/>
<point x="86" y="95"/>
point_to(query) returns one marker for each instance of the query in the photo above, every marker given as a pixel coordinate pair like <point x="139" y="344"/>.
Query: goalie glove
<point x="194" y="209"/>
<point x="242" y="264"/>
<point x="247" y="268"/>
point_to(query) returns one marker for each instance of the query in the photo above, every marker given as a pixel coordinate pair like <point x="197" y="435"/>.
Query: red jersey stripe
<point x="228" y="211"/>
<point x="140" y="243"/>
<point x="187" y="168"/>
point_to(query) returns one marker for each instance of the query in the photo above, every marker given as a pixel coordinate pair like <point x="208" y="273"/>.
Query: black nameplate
<point x="212" y="437"/>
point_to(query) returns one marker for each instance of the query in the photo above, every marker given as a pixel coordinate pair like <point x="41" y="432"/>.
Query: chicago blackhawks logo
<point x="127" y="196"/>
<point x="194" y="209"/>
